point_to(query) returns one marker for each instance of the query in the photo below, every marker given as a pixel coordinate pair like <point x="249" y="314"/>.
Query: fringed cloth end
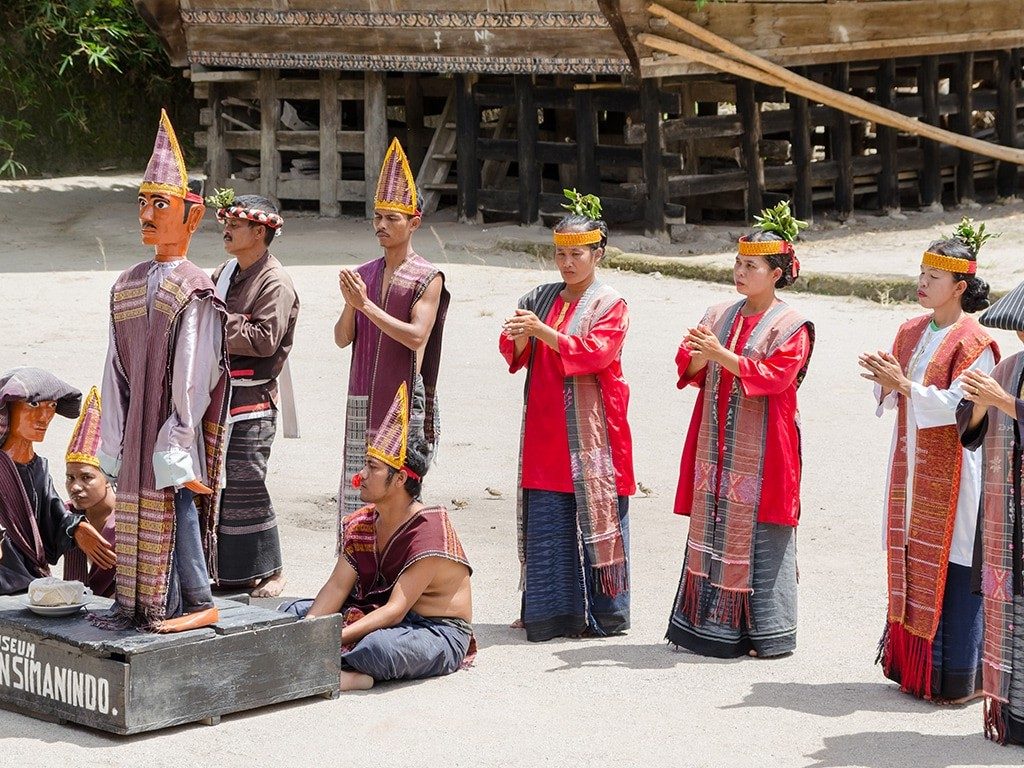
<point x="212" y="566"/>
<point x="121" y="618"/>
<point x="612" y="580"/>
<point x="995" y="720"/>
<point x="909" y="658"/>
<point x="731" y="606"/>
<point x="470" y="654"/>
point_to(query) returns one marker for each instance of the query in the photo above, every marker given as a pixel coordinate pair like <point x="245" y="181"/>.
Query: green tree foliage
<point x="82" y="84"/>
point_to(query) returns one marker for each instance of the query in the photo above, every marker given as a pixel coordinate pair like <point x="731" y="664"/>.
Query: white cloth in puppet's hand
<point x="53" y="591"/>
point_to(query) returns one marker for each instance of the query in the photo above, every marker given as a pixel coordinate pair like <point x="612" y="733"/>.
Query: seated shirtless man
<point x="401" y="582"/>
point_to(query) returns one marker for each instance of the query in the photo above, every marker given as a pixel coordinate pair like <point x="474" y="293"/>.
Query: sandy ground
<point x="627" y="700"/>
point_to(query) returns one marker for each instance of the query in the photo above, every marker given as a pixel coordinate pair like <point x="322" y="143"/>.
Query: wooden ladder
<point x="432" y="180"/>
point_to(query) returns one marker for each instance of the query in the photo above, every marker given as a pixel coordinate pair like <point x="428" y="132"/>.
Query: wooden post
<point x="929" y="176"/>
<point x="750" y="117"/>
<point x="526" y="135"/>
<point x="218" y="160"/>
<point x="803" y="152"/>
<point x="653" y="151"/>
<point x="587" y="176"/>
<point x="330" y="160"/>
<point x="888" y="177"/>
<point x="467" y="167"/>
<point x="415" y="144"/>
<point x="270" y="117"/>
<point x="965" y="103"/>
<point x="842" y="148"/>
<point x="375" y="132"/>
<point x="1006" y="119"/>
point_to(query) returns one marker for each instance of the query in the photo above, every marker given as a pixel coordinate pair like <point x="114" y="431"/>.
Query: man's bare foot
<point x="272" y="586"/>
<point x="752" y="653"/>
<point x="517" y="624"/>
<point x="961" y="700"/>
<point x="355" y="681"/>
<point x="189" y="621"/>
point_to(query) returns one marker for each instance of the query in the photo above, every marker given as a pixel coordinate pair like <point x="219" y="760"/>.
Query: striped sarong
<point x="770" y="629"/>
<point x="248" y="542"/>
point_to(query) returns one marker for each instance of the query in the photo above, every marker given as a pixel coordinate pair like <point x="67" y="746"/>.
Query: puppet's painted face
<point x="29" y="421"/>
<point x="165" y="224"/>
<point x="85" y="484"/>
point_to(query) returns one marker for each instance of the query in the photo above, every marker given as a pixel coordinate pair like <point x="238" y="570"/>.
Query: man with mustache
<point x="262" y="310"/>
<point x="394" y="314"/>
<point x="165" y="399"/>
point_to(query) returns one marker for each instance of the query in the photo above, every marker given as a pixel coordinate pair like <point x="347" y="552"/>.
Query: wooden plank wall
<point x="249" y="148"/>
<point x="754" y="144"/>
<point x="588" y="151"/>
<point x="664" y="152"/>
<point x="818" y="32"/>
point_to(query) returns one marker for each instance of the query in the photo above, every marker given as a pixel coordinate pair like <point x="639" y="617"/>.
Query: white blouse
<point x="934" y="407"/>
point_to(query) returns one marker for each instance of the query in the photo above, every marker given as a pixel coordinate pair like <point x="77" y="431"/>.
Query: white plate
<point x="53" y="610"/>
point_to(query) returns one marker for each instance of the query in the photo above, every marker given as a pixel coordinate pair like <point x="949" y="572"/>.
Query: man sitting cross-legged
<point x="402" y="579"/>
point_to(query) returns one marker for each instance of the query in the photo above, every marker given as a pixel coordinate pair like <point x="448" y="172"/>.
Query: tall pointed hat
<point x="85" y="439"/>
<point x="166" y="171"/>
<point x="391" y="441"/>
<point x="396" y="186"/>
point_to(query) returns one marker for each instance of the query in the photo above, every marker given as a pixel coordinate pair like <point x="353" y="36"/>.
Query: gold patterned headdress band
<point x="85" y="440"/>
<point x="949" y="263"/>
<point x="763" y="247"/>
<point x="572" y="239"/>
<point x="396" y="186"/>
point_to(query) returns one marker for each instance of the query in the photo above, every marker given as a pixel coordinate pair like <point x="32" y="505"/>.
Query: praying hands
<point x="353" y="289"/>
<point x="884" y="369"/>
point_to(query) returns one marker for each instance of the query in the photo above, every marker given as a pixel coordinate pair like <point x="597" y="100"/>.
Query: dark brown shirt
<point x="262" y="310"/>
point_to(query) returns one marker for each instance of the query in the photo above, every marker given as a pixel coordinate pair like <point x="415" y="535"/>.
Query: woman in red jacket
<point x="739" y="481"/>
<point x="576" y="465"/>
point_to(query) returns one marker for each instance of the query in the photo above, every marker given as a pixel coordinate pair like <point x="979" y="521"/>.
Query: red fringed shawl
<point x="917" y="563"/>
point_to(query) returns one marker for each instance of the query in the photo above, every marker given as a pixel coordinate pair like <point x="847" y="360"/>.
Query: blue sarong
<point x="560" y="597"/>
<point x="415" y="648"/>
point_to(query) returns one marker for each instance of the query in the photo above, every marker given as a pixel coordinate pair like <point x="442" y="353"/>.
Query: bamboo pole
<point x="747" y="65"/>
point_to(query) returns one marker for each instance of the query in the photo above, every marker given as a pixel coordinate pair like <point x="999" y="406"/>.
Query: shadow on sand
<point x="836" y="699"/>
<point x="907" y="748"/>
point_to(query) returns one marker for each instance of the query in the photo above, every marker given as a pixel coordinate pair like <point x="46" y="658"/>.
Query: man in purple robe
<point x="394" y="314"/>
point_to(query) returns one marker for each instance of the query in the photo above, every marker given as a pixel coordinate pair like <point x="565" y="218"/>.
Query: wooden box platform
<point x="128" y="682"/>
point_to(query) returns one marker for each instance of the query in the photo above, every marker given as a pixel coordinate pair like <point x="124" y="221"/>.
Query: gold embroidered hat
<point x="396" y="186"/>
<point x="85" y="439"/>
<point x="166" y="172"/>
<point x="391" y="441"/>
